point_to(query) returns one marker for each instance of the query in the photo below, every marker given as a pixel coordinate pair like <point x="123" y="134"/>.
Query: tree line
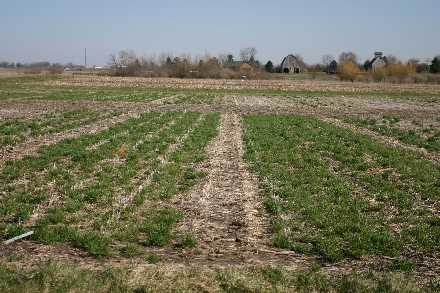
<point x="127" y="63"/>
<point x="43" y="64"/>
<point x="347" y="67"/>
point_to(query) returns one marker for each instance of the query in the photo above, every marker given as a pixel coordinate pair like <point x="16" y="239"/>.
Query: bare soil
<point x="224" y="211"/>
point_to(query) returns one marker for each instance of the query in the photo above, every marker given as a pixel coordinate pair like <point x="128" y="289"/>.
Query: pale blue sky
<point x="60" y="30"/>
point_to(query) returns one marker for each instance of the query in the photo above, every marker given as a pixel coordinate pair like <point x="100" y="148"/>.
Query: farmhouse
<point x="244" y="66"/>
<point x="290" y="64"/>
<point x="377" y="62"/>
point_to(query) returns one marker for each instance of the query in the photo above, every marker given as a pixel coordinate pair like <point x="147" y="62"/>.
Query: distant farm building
<point x="377" y="62"/>
<point x="244" y="66"/>
<point x="290" y="64"/>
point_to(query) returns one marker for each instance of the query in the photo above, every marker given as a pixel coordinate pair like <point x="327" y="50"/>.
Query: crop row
<point x="425" y="137"/>
<point x="17" y="130"/>
<point x="107" y="190"/>
<point x="116" y="94"/>
<point x="338" y="193"/>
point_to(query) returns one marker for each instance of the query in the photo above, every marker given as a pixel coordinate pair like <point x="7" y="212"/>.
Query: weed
<point x="400" y="265"/>
<point x="14" y="257"/>
<point x="189" y="241"/>
<point x="131" y="250"/>
<point x="273" y="275"/>
<point x="153" y="258"/>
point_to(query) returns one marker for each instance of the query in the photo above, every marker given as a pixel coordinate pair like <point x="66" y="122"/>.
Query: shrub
<point x="398" y="72"/>
<point x="433" y="79"/>
<point x="348" y="70"/>
<point x="33" y="70"/>
<point x="419" y="78"/>
<point x="55" y="70"/>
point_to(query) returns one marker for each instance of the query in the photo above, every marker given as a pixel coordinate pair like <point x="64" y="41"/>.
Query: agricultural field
<point x="180" y="185"/>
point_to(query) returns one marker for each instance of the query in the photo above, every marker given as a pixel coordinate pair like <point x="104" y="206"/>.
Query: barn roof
<point x="378" y="55"/>
<point x="290" y="55"/>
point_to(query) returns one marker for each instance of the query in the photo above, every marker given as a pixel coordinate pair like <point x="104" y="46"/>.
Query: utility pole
<point x="85" y="57"/>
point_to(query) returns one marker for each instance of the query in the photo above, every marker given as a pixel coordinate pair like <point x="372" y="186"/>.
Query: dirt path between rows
<point x="224" y="211"/>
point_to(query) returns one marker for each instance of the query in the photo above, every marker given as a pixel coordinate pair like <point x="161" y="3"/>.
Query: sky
<point x="62" y="31"/>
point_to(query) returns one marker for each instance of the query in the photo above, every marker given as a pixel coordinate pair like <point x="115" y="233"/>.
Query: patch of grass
<point x="274" y="275"/>
<point x="153" y="258"/>
<point x="96" y="244"/>
<point x="189" y="241"/>
<point x="49" y="276"/>
<point x="400" y="265"/>
<point x="158" y="226"/>
<point x="132" y="250"/>
<point x="14" y="257"/>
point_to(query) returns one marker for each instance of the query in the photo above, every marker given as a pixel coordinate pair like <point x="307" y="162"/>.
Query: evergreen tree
<point x="367" y="65"/>
<point x="269" y="66"/>
<point x="333" y="66"/>
<point x="435" y="66"/>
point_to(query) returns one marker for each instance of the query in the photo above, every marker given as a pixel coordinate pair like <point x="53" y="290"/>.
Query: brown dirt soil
<point x="224" y="211"/>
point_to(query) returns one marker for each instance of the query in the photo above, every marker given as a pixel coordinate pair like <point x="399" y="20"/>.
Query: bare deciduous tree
<point x="248" y="53"/>
<point x="112" y="61"/>
<point x="347" y="56"/>
<point x="413" y="61"/>
<point x="300" y="59"/>
<point x="326" y="60"/>
<point x="5" y="64"/>
<point x="313" y="70"/>
<point x="162" y="59"/>
<point x="224" y="58"/>
<point x="391" y="59"/>
<point x="148" y="65"/>
<point x="127" y="58"/>
<point x="126" y="63"/>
